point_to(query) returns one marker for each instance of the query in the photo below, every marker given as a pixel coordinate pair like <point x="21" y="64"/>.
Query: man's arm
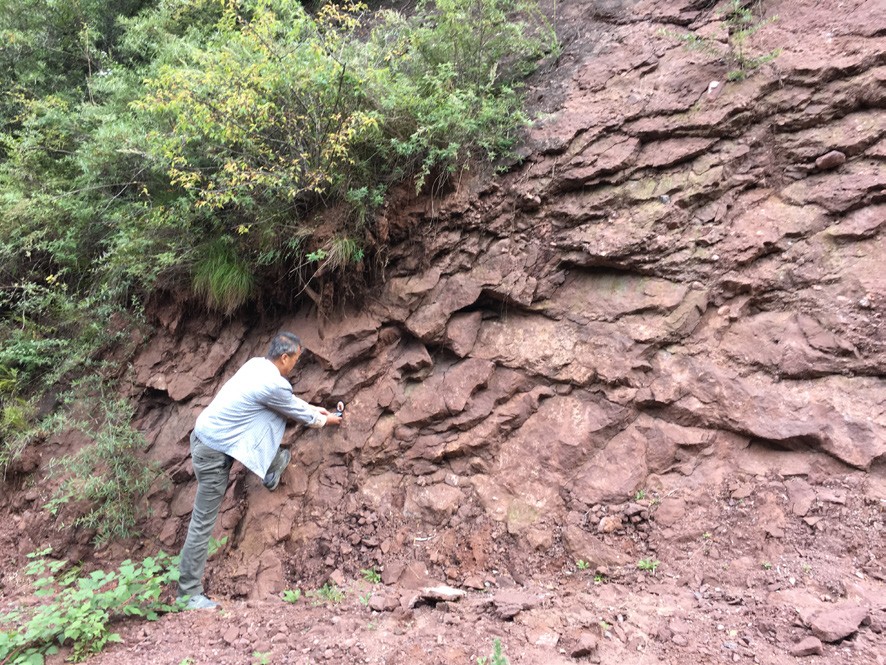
<point x="284" y="402"/>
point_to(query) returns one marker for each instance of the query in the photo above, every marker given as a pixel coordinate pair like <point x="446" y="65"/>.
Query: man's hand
<point x="331" y="418"/>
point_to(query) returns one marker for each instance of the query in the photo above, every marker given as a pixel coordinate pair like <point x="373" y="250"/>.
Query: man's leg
<point x="212" y="469"/>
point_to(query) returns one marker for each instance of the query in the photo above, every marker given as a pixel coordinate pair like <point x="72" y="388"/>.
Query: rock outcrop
<point x="675" y="268"/>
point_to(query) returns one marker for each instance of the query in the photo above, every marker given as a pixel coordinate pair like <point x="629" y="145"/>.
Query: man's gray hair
<point x="285" y="342"/>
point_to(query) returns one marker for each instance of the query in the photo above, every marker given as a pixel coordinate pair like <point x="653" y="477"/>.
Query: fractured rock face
<point x="668" y="275"/>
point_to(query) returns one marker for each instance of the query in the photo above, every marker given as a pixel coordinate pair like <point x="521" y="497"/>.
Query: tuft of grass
<point x="581" y="564"/>
<point x="328" y="593"/>
<point x="223" y="280"/>
<point x="371" y="575"/>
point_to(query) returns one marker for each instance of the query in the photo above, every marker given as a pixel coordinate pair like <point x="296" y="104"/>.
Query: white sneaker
<point x="200" y="602"/>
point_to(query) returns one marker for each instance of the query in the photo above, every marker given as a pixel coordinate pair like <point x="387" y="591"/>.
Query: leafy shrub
<point x="79" y="609"/>
<point x="109" y="475"/>
<point x="281" y="113"/>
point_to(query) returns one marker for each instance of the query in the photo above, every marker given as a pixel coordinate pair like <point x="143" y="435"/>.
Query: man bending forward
<point x="244" y="422"/>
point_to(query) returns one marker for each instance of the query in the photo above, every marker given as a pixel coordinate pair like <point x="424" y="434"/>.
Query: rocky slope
<point x="660" y="336"/>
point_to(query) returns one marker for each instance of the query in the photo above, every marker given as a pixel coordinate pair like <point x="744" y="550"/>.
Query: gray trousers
<point x="212" y="469"/>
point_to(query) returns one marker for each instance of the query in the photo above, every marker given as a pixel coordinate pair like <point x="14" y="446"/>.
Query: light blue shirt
<point x="247" y="417"/>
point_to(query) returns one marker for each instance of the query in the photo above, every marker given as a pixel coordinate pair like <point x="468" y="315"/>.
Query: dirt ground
<point x="754" y="549"/>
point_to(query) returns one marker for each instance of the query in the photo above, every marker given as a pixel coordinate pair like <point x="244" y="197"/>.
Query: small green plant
<point x="581" y="564"/>
<point x="79" y="609"/>
<point x="328" y="593"/>
<point x="706" y="535"/>
<point x="187" y="661"/>
<point x="807" y="568"/>
<point x="496" y="658"/>
<point x="365" y="598"/>
<point x="292" y="595"/>
<point x="648" y="565"/>
<point x="741" y="24"/>
<point x="599" y="578"/>
<point x="371" y="575"/>
<point x="262" y="657"/>
<point x="216" y="544"/>
<point x="604" y="626"/>
<point x="640" y="495"/>
<point x="766" y="565"/>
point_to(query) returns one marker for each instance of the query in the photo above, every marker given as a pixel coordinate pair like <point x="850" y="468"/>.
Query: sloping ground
<point x="659" y="338"/>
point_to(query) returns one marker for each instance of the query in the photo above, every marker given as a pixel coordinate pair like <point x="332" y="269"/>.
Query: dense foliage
<point x="191" y="141"/>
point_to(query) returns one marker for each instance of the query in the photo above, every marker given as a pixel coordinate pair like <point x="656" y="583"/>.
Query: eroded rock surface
<point x="668" y="273"/>
<point x="680" y="285"/>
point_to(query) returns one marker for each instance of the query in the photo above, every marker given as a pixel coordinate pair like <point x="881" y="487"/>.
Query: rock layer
<point x="668" y="273"/>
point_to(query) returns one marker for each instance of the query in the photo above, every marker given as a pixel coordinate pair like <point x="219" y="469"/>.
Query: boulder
<point x="833" y="625"/>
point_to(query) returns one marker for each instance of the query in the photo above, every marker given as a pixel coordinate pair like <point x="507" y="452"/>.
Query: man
<point x="244" y="422"/>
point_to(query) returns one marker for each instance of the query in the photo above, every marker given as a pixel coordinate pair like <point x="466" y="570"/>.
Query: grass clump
<point x="221" y="278"/>
<point x="371" y="575"/>
<point x="291" y="595"/>
<point x="328" y="593"/>
<point x="78" y="609"/>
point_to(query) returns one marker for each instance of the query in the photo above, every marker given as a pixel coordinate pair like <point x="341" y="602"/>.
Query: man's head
<point x="284" y="352"/>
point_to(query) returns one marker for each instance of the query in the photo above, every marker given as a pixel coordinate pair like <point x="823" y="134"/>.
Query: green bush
<point x="146" y="137"/>
<point x="109" y="476"/>
<point x="78" y="609"/>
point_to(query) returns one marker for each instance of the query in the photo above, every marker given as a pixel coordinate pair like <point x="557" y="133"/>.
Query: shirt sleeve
<point x="286" y="404"/>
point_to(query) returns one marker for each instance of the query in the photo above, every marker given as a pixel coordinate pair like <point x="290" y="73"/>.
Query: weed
<point x="187" y="661"/>
<point x="766" y="565"/>
<point x="292" y="595"/>
<point x="649" y="565"/>
<point x="741" y="25"/>
<point x="640" y="495"/>
<point x="599" y="578"/>
<point x="365" y="598"/>
<point x="604" y="626"/>
<point x="581" y="564"/>
<point x="79" y="608"/>
<point x="496" y="658"/>
<point x="108" y="475"/>
<point x="328" y="593"/>
<point x="262" y="657"/>
<point x="807" y="568"/>
<point x="371" y="575"/>
<point x="706" y="535"/>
